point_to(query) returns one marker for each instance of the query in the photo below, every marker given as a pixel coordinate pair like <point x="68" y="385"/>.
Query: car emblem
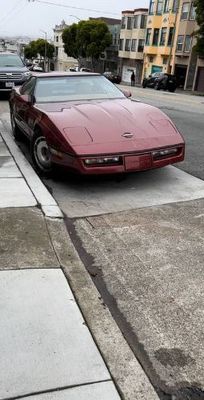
<point x="127" y="135"/>
<point x="9" y="74"/>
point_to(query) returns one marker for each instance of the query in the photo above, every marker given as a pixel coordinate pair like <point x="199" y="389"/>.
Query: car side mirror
<point x="28" y="98"/>
<point x="127" y="93"/>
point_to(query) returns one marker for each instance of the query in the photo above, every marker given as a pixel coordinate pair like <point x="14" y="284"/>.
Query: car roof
<point x="59" y="73"/>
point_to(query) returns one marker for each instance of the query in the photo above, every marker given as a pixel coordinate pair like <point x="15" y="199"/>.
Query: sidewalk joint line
<point x="58" y="389"/>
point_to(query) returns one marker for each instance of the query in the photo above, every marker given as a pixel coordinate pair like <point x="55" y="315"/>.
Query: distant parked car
<point x="111" y="76"/>
<point x="13" y="71"/>
<point x="160" y="80"/>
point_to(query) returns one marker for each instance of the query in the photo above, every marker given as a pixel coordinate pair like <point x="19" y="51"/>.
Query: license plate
<point x="136" y="163"/>
<point x="9" y="84"/>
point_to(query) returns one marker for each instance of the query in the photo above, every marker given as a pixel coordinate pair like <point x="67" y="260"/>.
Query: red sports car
<point x="85" y="123"/>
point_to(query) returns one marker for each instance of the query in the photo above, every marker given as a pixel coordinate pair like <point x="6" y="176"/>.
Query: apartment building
<point x="161" y="33"/>
<point x="62" y="61"/>
<point x="189" y="68"/>
<point x="132" y="41"/>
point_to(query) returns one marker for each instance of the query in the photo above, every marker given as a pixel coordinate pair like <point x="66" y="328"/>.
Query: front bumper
<point x="4" y="88"/>
<point x="130" y="162"/>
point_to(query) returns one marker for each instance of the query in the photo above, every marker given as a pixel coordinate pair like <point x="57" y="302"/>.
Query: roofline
<point x="135" y="10"/>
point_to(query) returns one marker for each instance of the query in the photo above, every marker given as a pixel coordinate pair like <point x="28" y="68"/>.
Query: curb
<point x="47" y="203"/>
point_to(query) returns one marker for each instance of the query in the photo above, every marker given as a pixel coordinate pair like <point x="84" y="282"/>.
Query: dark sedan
<point x="85" y="123"/>
<point x="113" y="77"/>
<point x="160" y="80"/>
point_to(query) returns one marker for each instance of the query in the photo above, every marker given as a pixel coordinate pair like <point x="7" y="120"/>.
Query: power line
<point x="73" y="7"/>
<point x="15" y="11"/>
<point x="10" y="11"/>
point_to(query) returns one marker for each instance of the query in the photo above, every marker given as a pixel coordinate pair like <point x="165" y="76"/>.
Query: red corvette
<point x="85" y="123"/>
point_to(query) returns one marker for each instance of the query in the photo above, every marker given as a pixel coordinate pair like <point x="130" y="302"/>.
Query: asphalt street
<point x="141" y="239"/>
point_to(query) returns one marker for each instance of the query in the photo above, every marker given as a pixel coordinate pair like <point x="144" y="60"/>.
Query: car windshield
<point x="10" y="60"/>
<point x="69" y="88"/>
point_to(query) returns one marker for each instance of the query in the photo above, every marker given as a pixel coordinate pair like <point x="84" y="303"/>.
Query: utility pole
<point x="173" y="38"/>
<point x="45" y="53"/>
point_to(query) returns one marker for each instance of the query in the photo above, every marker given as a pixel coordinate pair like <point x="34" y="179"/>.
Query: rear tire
<point x="40" y="154"/>
<point x="156" y="86"/>
<point x="17" y="133"/>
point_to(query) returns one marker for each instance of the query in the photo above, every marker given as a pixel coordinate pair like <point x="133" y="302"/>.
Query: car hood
<point x="14" y="69"/>
<point x="112" y="125"/>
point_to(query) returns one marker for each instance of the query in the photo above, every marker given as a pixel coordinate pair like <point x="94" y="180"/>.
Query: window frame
<point x="180" y="43"/>
<point x="148" y="37"/>
<point x="153" y="38"/>
<point x="163" y="34"/>
<point x="185" y="14"/>
<point x="185" y="42"/>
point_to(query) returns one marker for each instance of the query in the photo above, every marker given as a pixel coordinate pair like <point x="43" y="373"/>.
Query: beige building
<point x="62" y="61"/>
<point x="132" y="40"/>
<point x="162" y="25"/>
<point x="188" y="68"/>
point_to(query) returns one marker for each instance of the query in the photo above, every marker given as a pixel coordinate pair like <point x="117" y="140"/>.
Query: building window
<point x="143" y="21"/>
<point x="160" y="5"/>
<point x="141" y="44"/>
<point x="187" y="46"/>
<point x="151" y="59"/>
<point x="123" y="23"/>
<point x="155" y="37"/>
<point x="165" y="60"/>
<point x="56" y="51"/>
<point x="127" y="45"/>
<point x="151" y="7"/>
<point x="136" y="22"/>
<point x="166" y="6"/>
<point x="175" y="5"/>
<point x="163" y="37"/>
<point x="171" y="36"/>
<point x="148" y="36"/>
<point x="192" y="12"/>
<point x="179" y="45"/>
<point x="121" y="46"/>
<point x="185" y="11"/>
<point x="134" y="45"/>
<point x="57" y="38"/>
<point x="129" y="23"/>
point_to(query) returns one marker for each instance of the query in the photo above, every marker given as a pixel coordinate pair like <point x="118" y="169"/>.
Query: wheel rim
<point x="42" y="154"/>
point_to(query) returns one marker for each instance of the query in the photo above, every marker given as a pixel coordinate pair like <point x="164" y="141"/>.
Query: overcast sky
<point x="21" y="17"/>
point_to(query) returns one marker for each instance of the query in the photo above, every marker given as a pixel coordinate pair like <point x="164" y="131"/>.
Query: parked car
<point x="13" y="71"/>
<point x="85" y="123"/>
<point x="111" y="76"/>
<point x="160" y="80"/>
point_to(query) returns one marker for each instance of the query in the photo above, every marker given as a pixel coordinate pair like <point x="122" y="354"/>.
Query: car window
<point x="68" y="88"/>
<point x="10" y="60"/>
<point x="28" y="87"/>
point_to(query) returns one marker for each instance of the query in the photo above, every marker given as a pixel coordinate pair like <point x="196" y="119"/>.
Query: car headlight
<point x="27" y="74"/>
<point x="165" y="153"/>
<point x="102" y="161"/>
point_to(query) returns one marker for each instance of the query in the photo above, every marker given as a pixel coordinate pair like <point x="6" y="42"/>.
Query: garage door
<point x="200" y="80"/>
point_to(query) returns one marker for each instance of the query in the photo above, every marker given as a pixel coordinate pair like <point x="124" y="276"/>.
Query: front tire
<point x="41" y="155"/>
<point x="17" y="134"/>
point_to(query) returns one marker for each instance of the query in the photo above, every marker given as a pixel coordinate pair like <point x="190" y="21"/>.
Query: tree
<point x="38" y="47"/>
<point x="199" y="8"/>
<point x="87" y="39"/>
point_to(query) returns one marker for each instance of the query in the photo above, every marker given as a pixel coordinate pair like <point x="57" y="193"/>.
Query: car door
<point x="21" y="105"/>
<point x="31" y="114"/>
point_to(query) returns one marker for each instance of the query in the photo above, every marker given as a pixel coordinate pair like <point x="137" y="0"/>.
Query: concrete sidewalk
<point x="47" y="350"/>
